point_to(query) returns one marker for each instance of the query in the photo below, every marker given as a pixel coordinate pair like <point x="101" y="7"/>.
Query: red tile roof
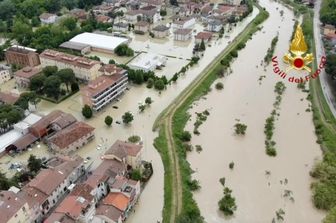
<point x="71" y="134"/>
<point x="65" y="58"/>
<point x="122" y="149"/>
<point x="28" y="72"/>
<point x="109" y="212"/>
<point x="203" y="35"/>
<point x="118" y="200"/>
<point x="10" y="204"/>
<point x="8" y="98"/>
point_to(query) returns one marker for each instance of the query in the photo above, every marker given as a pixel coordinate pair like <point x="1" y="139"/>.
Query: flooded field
<point x="151" y="200"/>
<point x="257" y="180"/>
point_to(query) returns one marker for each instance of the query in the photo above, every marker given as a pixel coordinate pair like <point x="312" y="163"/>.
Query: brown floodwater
<point x="150" y="205"/>
<point x="244" y="98"/>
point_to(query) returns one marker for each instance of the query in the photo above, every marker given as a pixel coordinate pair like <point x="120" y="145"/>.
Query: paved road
<point x="327" y="91"/>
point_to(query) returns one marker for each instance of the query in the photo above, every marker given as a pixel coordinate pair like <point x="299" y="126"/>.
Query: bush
<point x="240" y="129"/>
<point x="219" y="86"/>
<point x="228" y="203"/>
<point x="150" y="83"/>
<point x="194" y="185"/>
<point x="108" y="120"/>
<point x="159" y="85"/>
<point x="231" y="165"/>
<point x="87" y="111"/>
<point x="222" y="181"/>
<point x="127" y="117"/>
<point x="185" y="136"/>
<point x="123" y="50"/>
<point x="134" y="139"/>
<point x="271" y="152"/>
<point x="148" y="101"/>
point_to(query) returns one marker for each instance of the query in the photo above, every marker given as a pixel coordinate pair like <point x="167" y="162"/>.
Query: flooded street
<point x="244" y="98"/>
<point x="151" y="199"/>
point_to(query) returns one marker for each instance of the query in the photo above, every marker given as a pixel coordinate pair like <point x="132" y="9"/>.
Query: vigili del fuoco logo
<point x="298" y="58"/>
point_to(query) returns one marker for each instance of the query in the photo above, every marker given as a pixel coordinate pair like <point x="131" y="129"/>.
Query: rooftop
<point x="10" y="204"/>
<point x="161" y="28"/>
<point x="99" y="40"/>
<point x="28" y="72"/>
<point x="70" y="134"/>
<point x="183" y="31"/>
<point x="118" y="200"/>
<point x="122" y="149"/>
<point x="109" y="211"/>
<point x="69" y="59"/>
<point x="8" y="98"/>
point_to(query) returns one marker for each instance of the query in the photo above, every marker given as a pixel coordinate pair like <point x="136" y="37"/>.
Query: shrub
<point x="127" y="117"/>
<point x="228" y="203"/>
<point x="185" y="136"/>
<point x="108" y="120"/>
<point x="240" y="129"/>
<point x="231" y="165"/>
<point x="87" y="111"/>
<point x="219" y="86"/>
<point x="134" y="139"/>
<point x="159" y="85"/>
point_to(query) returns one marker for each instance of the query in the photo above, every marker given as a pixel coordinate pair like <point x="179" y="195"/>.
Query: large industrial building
<point x="86" y="42"/>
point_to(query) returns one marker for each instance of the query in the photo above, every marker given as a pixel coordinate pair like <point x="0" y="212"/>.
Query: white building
<point x="5" y="74"/>
<point x="106" y="88"/>
<point x="184" y="23"/>
<point x="99" y="42"/>
<point x="148" y="62"/>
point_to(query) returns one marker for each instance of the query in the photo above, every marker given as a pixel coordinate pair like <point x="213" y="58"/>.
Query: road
<point x="327" y="91"/>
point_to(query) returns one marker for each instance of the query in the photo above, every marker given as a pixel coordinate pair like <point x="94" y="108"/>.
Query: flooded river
<point x="257" y="180"/>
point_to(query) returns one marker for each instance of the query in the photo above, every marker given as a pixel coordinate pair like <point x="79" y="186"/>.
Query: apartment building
<point x="22" y="56"/>
<point x="107" y="87"/>
<point x="5" y="74"/>
<point x="85" y="69"/>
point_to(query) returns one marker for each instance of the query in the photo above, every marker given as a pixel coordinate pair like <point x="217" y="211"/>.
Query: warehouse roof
<point x="99" y="40"/>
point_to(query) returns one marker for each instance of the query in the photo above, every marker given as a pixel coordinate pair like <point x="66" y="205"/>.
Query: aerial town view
<point x="168" y="111"/>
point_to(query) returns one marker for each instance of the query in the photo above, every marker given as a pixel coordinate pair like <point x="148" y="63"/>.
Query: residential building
<point x="184" y="23"/>
<point x="13" y="208"/>
<point x="329" y="29"/>
<point x="108" y="214"/>
<point x="22" y="56"/>
<point x="43" y="127"/>
<point x="71" y="138"/>
<point x="148" y="62"/>
<point x="214" y="26"/>
<point x="128" y="187"/>
<point x="133" y="16"/>
<point x="50" y="185"/>
<point x="103" y="19"/>
<point x="79" y="14"/>
<point x="232" y="2"/>
<point x="48" y="18"/>
<point x="99" y="179"/>
<point x="25" y="75"/>
<point x="8" y="98"/>
<point x="125" y="152"/>
<point x="103" y="9"/>
<point x="85" y="69"/>
<point x="205" y="36"/>
<point x="120" y="26"/>
<point x="150" y="15"/>
<point x="5" y="74"/>
<point x="141" y="27"/>
<point x="160" y="31"/>
<point x="74" y="208"/>
<point x="106" y="88"/>
<point x="182" y="34"/>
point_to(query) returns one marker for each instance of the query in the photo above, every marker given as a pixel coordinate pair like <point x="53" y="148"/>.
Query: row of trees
<point x="50" y="81"/>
